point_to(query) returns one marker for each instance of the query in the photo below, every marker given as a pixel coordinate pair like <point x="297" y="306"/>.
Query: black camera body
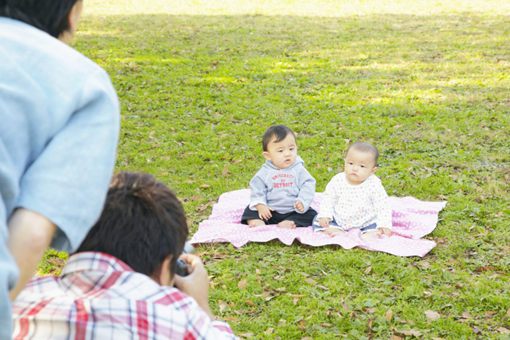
<point x="181" y="266"/>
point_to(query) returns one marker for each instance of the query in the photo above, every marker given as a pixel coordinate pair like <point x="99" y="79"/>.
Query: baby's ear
<point x="374" y="169"/>
<point x="266" y="155"/>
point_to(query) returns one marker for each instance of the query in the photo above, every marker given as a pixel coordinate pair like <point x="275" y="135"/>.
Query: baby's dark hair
<point x="279" y="132"/>
<point x="365" y="147"/>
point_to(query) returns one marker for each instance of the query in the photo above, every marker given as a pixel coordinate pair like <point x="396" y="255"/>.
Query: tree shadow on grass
<point x="441" y="78"/>
<point x="306" y="64"/>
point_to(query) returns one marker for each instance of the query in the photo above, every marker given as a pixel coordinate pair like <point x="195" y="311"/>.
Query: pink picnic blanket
<point x="412" y="219"/>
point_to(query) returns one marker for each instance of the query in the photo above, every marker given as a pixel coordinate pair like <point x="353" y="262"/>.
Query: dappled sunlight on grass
<point x="148" y="59"/>
<point x="219" y="80"/>
<point x="96" y="33"/>
<point x="322" y="8"/>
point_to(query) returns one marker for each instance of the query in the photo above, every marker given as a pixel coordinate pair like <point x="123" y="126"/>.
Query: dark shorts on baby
<point x="301" y="220"/>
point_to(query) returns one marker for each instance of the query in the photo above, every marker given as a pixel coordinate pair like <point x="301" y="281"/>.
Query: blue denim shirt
<point x="59" y="126"/>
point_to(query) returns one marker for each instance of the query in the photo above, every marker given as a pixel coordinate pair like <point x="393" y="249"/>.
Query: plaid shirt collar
<point x="94" y="261"/>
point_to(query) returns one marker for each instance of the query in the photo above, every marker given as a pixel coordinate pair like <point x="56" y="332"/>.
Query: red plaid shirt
<point x="100" y="297"/>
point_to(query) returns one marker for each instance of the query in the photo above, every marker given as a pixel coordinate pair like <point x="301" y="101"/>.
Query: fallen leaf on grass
<point x="440" y="240"/>
<point x="310" y="281"/>
<point x="346" y="307"/>
<point x="409" y="332"/>
<point x="242" y="284"/>
<point x="424" y="265"/>
<point x="269" y="298"/>
<point x="504" y="330"/>
<point x="368" y="270"/>
<point x="431" y="315"/>
<point x="219" y="256"/>
<point x="371" y="310"/>
<point x="231" y="319"/>
<point x="225" y="172"/>
<point x="269" y="331"/>
<point x="485" y="269"/>
<point x="388" y="315"/>
<point x="278" y="277"/>
<point x="466" y="315"/>
<point x="203" y="207"/>
<point x="490" y="313"/>
<point x="223" y="305"/>
<point x="370" y="323"/>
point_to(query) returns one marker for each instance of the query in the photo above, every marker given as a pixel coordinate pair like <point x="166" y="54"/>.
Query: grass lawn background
<point x="426" y="81"/>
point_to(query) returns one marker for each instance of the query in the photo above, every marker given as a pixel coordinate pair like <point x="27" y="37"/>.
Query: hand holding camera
<point x="196" y="283"/>
<point x="182" y="268"/>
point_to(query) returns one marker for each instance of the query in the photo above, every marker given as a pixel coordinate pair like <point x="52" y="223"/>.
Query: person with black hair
<point x="59" y="126"/>
<point x="121" y="282"/>
<point x="282" y="190"/>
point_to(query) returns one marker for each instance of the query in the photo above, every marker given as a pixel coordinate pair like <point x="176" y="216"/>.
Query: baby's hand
<point x="264" y="212"/>
<point x="324" y="222"/>
<point x="384" y="232"/>
<point x="299" y="206"/>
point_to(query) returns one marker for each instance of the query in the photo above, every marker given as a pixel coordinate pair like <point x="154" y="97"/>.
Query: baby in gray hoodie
<point x="282" y="190"/>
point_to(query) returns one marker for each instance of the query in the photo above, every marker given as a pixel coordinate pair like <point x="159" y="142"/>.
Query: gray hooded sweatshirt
<point x="279" y="189"/>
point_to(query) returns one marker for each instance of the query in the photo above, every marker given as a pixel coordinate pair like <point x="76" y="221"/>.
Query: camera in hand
<point x="182" y="267"/>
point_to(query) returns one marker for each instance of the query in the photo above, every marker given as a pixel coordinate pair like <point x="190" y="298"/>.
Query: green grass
<point x="427" y="82"/>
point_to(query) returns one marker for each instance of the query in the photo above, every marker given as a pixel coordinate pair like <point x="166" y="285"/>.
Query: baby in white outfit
<point x="356" y="198"/>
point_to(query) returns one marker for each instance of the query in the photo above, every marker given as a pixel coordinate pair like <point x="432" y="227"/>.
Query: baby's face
<point x="359" y="165"/>
<point x="283" y="153"/>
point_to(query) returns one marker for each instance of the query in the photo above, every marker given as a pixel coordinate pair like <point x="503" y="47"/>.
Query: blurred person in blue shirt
<point x="59" y="126"/>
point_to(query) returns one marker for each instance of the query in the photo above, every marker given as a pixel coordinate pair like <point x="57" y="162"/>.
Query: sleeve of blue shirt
<point x="67" y="183"/>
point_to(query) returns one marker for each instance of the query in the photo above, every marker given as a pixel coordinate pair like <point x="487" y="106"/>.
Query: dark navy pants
<point x="301" y="220"/>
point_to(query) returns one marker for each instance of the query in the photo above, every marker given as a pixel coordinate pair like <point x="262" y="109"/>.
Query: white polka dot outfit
<point x="356" y="206"/>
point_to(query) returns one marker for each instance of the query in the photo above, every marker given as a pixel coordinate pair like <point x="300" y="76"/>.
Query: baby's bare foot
<point x="255" y="223"/>
<point x="370" y="235"/>
<point x="287" y="224"/>
<point x="334" y="231"/>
